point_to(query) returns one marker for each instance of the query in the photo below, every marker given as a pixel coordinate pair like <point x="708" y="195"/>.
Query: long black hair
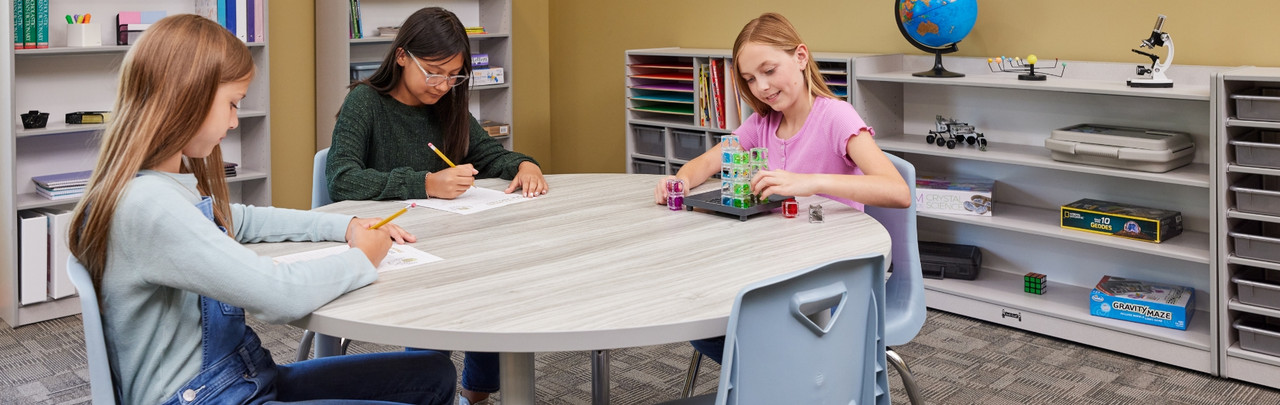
<point x="433" y="34"/>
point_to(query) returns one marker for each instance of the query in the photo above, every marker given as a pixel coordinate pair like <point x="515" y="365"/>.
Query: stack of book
<point x="229" y="168"/>
<point x="475" y="30"/>
<point x="62" y="186"/>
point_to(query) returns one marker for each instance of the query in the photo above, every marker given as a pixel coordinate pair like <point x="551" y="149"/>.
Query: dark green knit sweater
<point x="380" y="151"/>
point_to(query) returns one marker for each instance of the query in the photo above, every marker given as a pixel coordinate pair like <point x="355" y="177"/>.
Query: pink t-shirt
<point x="821" y="145"/>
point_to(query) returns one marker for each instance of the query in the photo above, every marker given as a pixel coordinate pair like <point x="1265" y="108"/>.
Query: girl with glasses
<point x="417" y="96"/>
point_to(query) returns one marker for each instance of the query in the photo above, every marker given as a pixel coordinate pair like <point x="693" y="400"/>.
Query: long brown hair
<point x="774" y="30"/>
<point x="433" y="34"/>
<point x="167" y="84"/>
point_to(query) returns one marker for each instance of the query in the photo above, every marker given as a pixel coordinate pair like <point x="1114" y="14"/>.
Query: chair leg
<point x="304" y="346"/>
<point x="909" y="382"/>
<point x="695" y="363"/>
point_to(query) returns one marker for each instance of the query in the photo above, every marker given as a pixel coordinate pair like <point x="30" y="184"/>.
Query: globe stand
<point x="938" y="70"/>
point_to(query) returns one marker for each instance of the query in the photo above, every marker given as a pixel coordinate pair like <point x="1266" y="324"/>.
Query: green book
<point x="17" y="24"/>
<point x="29" y="24"/>
<point x="42" y="23"/>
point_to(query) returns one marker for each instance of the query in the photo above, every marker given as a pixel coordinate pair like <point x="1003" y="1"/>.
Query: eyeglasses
<point x="434" y="80"/>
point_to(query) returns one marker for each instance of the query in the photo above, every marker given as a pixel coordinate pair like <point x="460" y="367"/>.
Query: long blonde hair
<point x="772" y="29"/>
<point x="167" y="84"/>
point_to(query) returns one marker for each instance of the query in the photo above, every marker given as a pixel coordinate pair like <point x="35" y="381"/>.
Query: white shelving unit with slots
<point x="59" y="80"/>
<point x="1024" y="234"/>
<point x="336" y="51"/>
<point x="663" y="94"/>
<point x="1249" y="179"/>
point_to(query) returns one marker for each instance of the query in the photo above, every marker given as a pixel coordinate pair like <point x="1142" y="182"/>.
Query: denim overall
<point x="234" y="368"/>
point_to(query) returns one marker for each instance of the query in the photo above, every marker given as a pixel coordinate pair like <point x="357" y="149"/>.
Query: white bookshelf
<point x="335" y="51"/>
<point x="1237" y="362"/>
<point x="679" y="128"/>
<point x="59" y="80"/>
<point x="1024" y="234"/>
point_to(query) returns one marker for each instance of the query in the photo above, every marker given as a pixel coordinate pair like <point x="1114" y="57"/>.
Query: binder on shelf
<point x="59" y="282"/>
<point x="33" y="257"/>
<point x="242" y="20"/>
<point x="207" y="9"/>
<point x="259" y="33"/>
<point x="732" y="120"/>
<point x="251" y="13"/>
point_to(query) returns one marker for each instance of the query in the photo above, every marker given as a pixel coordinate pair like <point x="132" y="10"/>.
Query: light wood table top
<point x="592" y="265"/>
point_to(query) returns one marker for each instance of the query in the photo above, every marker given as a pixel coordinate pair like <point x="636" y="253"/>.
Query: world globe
<point x="936" y="26"/>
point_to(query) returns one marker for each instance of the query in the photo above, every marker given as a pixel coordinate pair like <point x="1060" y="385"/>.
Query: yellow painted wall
<point x="590" y="36"/>
<point x="292" y="46"/>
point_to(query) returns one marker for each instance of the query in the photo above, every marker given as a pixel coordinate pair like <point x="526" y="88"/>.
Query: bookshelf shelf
<point x="1024" y="233"/>
<point x="336" y="51"/>
<point x="64" y="79"/>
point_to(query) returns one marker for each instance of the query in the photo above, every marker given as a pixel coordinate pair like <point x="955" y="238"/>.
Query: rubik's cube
<point x="1034" y="283"/>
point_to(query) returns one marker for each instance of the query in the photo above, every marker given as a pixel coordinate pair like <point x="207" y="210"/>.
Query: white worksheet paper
<point x="399" y="257"/>
<point x="474" y="200"/>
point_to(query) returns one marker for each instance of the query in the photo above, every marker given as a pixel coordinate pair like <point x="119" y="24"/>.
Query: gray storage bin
<point x="1259" y="334"/>
<point x="686" y="145"/>
<point x="1259" y="287"/>
<point x="1260" y="103"/>
<point x="1256" y="247"/>
<point x="649" y="141"/>
<point x="1257" y="201"/>
<point x="675" y="168"/>
<point x="648" y="167"/>
<point x="1258" y="149"/>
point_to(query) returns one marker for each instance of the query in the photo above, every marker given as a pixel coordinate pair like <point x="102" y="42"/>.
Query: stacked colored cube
<point x="1034" y="283"/>
<point x="737" y="167"/>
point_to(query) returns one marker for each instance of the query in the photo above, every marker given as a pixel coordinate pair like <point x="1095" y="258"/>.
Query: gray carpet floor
<point x="956" y="360"/>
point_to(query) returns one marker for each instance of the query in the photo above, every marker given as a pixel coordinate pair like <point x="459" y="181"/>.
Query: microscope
<point x="1157" y="69"/>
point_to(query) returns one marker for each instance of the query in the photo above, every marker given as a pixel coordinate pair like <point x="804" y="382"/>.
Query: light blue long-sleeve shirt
<point x="163" y="254"/>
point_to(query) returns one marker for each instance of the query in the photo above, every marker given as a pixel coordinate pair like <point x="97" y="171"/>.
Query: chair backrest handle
<point x="811" y="306"/>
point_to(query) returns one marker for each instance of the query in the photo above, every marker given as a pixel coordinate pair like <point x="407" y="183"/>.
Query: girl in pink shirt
<point x="817" y="143"/>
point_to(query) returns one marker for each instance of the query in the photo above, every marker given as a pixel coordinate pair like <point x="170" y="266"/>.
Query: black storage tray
<point x="949" y="260"/>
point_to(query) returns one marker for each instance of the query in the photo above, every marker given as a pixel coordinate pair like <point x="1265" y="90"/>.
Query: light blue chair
<point x="810" y="337"/>
<point x="319" y="184"/>
<point x="904" y="311"/>
<point x="904" y="293"/>
<point x="102" y="384"/>
<point x="319" y="197"/>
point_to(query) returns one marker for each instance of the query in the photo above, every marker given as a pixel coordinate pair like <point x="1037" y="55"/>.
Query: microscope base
<point x="1150" y="83"/>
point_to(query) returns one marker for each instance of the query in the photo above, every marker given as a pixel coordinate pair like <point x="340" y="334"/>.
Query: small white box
<point x="481" y="77"/>
<point x="954" y="196"/>
<point x="80" y="35"/>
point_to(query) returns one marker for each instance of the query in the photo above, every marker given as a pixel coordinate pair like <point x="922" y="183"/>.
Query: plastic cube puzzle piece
<point x="1034" y="283"/>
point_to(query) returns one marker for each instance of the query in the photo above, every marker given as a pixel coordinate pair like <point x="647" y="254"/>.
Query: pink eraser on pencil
<point x="129" y="17"/>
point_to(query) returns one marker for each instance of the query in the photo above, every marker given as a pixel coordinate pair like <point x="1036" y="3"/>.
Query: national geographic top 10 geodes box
<point x="1123" y="220"/>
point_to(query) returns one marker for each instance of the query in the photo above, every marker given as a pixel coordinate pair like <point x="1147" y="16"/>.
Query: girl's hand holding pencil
<point x="393" y="231"/>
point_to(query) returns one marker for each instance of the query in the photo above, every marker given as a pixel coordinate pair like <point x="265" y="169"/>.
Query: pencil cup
<point x="80" y="35"/>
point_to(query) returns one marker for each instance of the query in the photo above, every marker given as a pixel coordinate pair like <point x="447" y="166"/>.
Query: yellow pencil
<point x="442" y="156"/>
<point x="393" y="216"/>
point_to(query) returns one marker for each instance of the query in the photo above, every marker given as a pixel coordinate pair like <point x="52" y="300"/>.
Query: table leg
<point x="599" y="377"/>
<point x="517" y="378"/>
<point x="327" y="346"/>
